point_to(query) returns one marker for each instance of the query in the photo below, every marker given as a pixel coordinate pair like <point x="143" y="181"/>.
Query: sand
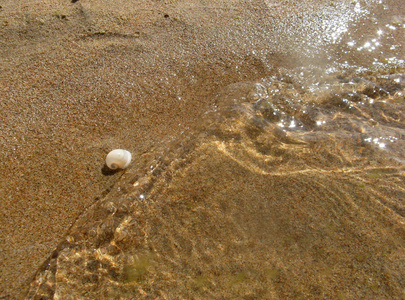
<point x="79" y="79"/>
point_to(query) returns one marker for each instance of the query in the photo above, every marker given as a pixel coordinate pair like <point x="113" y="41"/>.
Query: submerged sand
<point x="241" y="209"/>
<point x="78" y="79"/>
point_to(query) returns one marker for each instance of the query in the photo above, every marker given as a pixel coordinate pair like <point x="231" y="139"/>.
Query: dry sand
<point x="78" y="79"/>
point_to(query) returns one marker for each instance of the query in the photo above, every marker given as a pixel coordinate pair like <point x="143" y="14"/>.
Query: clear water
<point x="289" y="187"/>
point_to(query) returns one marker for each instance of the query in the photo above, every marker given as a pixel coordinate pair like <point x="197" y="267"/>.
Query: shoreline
<point x="80" y="79"/>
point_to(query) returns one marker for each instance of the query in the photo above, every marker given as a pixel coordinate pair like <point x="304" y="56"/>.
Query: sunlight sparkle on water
<point x="292" y="124"/>
<point x="381" y="142"/>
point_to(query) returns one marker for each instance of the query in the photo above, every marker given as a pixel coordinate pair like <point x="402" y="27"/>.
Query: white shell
<point x="118" y="159"/>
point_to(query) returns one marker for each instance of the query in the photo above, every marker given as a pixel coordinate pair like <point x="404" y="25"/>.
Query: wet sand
<point x="238" y="209"/>
<point x="79" y="79"/>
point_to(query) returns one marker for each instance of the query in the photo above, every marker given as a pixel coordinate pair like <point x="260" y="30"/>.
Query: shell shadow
<point x="107" y="171"/>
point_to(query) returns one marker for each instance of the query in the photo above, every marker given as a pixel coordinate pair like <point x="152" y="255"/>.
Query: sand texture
<point x="79" y="79"/>
<point x="238" y="210"/>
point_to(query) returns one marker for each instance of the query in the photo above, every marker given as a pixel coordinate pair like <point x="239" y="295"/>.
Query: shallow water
<point x="290" y="186"/>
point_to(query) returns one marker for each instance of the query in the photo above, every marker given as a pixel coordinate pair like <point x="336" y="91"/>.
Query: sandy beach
<point x="79" y="79"/>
